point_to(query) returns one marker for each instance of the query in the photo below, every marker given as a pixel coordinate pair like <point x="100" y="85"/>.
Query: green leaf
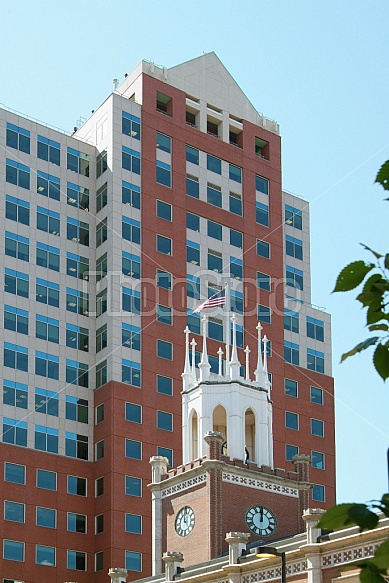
<point x="362" y="516"/>
<point x="381" y="556"/>
<point x="336" y="517"/>
<point x="386" y="261"/>
<point x="369" y="574"/>
<point x="359" y="347"/>
<point x="385" y="504"/>
<point x="352" y="275"/>
<point x="384" y="327"/>
<point x="381" y="361"/>
<point x="383" y="175"/>
<point x="376" y="255"/>
<point x="373" y="315"/>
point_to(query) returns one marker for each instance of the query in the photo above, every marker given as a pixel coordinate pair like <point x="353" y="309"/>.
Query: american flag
<point x="218" y="299"/>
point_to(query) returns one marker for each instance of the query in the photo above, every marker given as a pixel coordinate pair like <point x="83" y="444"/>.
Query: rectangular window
<point x="15" y="319"/>
<point x="46" y="480"/>
<point x="164" y="421"/>
<point x="18" y="138"/>
<point x="76" y="560"/>
<point x="16" y="282"/>
<point x="13" y="550"/>
<point x="192" y="186"/>
<point x="101" y="232"/>
<point x="77" y="337"/>
<point x="316" y="395"/>
<point x="131" y="336"/>
<point x="14" y="511"/>
<point x="101" y="267"/>
<point x="47" y="292"/>
<point x="166" y="452"/>
<point x="15" y="394"/>
<point x="236" y="302"/>
<point x="291" y="420"/>
<point x="49" y="150"/>
<point x="293" y="217"/>
<point x="100" y="450"/>
<point x="192" y="155"/>
<point x="263" y="249"/>
<point x="133" y="412"/>
<point x="101" y="163"/>
<point x="214" y="164"/>
<point x="291" y="353"/>
<point x="47" y="365"/>
<point x="131" y="194"/>
<point x="163" y="173"/>
<point x="133" y="486"/>
<point x="214" y="195"/>
<point x="18" y="174"/>
<point x="193" y="222"/>
<point x="318" y="493"/>
<point x="77" y="231"/>
<point x="264" y="314"/>
<point x="193" y="322"/>
<point x="78" y="196"/>
<point x="236" y="238"/>
<point x="17" y="210"/>
<point x="236" y="268"/>
<point x="235" y="204"/>
<point x="130" y="160"/>
<point x="263" y="281"/>
<point x="77" y="373"/>
<point x="131" y="265"/>
<point x="192" y="286"/>
<point x="48" y="185"/>
<point x="77" y="266"/>
<point x="164" y="245"/>
<point x="164" y="385"/>
<point x="101" y="197"/>
<point x="133" y="561"/>
<point x="101" y="374"/>
<point x="315" y="360"/>
<point x="291" y="388"/>
<point x="290" y="452"/>
<point x="99" y="561"/>
<point x="101" y="338"/>
<point x="76" y="486"/>
<point x="77" y="162"/>
<point x="294" y="277"/>
<point x="17" y="246"/>
<point x="291" y="321"/>
<point x="193" y="253"/>
<point x="165" y="349"/>
<point x="163" y="143"/>
<point x="46" y="439"/>
<point x="46" y="517"/>
<point x="99" y="523"/>
<point x="317" y="460"/>
<point x="45" y="556"/>
<point x="215" y="261"/>
<point x="262" y="184"/>
<point x="215" y="329"/>
<point x="47" y="329"/>
<point x="133" y="523"/>
<point x="133" y="449"/>
<point x="164" y="210"/>
<point x="15" y="356"/>
<point x="131" y="373"/>
<point x="262" y="214"/>
<point x="77" y="301"/>
<point x="131" y="125"/>
<point x="14" y="432"/>
<point x="47" y="256"/>
<point x="99" y="413"/>
<point x="235" y="173"/>
<point x="317" y="427"/>
<point x="164" y="279"/>
<point x="164" y="315"/>
<point x="315" y="329"/>
<point x="131" y="230"/>
<point x="46" y="402"/>
<point x="76" y="446"/>
<point x="131" y="300"/>
<point x="215" y="230"/>
<point x="14" y="473"/>
<point x="293" y="247"/>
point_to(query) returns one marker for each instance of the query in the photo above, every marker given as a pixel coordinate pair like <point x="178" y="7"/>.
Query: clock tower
<point x="227" y="481"/>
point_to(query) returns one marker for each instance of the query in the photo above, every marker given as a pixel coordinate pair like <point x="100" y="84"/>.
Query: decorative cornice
<point x="259" y="484"/>
<point x="184" y="485"/>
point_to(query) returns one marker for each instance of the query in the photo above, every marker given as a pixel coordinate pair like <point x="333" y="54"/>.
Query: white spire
<point x="247" y="352"/>
<point x="265" y="341"/>
<point x="193" y="345"/>
<point x="186" y="375"/>
<point x="204" y="365"/>
<point x="259" y="372"/>
<point x="234" y="363"/>
<point x="220" y="354"/>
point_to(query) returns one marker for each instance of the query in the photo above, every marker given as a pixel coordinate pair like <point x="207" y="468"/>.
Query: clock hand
<point x="261" y="513"/>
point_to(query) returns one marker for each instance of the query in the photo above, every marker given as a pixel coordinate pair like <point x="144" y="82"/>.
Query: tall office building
<point x="110" y="238"/>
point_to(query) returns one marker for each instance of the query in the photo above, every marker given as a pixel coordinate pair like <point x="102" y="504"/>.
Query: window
<point x="193" y="253"/>
<point x="16" y="246"/>
<point x="13" y="550"/>
<point x="263" y="249"/>
<point x="76" y="486"/>
<point x="76" y="445"/>
<point x="165" y="349"/>
<point x="235" y="173"/>
<point x="48" y="185"/>
<point x="294" y="277"/>
<point x="77" y="266"/>
<point x="192" y="155"/>
<point x="13" y="511"/>
<point x="215" y="261"/>
<point x="315" y="329"/>
<point x="99" y="487"/>
<point x="49" y="150"/>
<point x="101" y="338"/>
<point x="164" y="279"/>
<point x="46" y="439"/>
<point x="99" y="561"/>
<point x="17" y="210"/>
<point x="78" y="196"/>
<point x="131" y="336"/>
<point x="76" y="409"/>
<point x="214" y="230"/>
<point x="100" y="450"/>
<point x="192" y="186"/>
<point x="14" y="432"/>
<point x="235" y="203"/>
<point x="264" y="314"/>
<point x="133" y="413"/>
<point x="215" y="329"/>
<point x="47" y="256"/>
<point x="131" y="265"/>
<point x="214" y="195"/>
<point x="262" y="214"/>
<point x="46" y="480"/>
<point x="291" y="352"/>
<point x="237" y="302"/>
<point x="78" y="231"/>
<point x="164" y="103"/>
<point x="101" y="163"/>
<point x="77" y="301"/>
<point x="101" y="232"/>
<point x="291" y="388"/>
<point x="214" y="164"/>
<point x="315" y="360"/>
<point x="130" y="160"/>
<point x="290" y="452"/>
<point x="193" y="222"/>
<point x="101" y="267"/>
<point x="16" y="282"/>
<point x="131" y="373"/>
<point x="130" y="194"/>
<point x="47" y="292"/>
<point x="164" y="245"/>
<point x="163" y="173"/>
<point x="163" y="143"/>
<point x="18" y="174"/>
<point x="77" y="162"/>
<point x="77" y="373"/>
<point x="164" y="210"/>
<point x="47" y="365"/>
<point x="45" y="556"/>
<point x="46" y="517"/>
<point x="193" y="322"/>
<point x="130" y="125"/>
<point x="47" y="329"/>
<point x="262" y="184"/>
<point x="131" y="230"/>
<point x="263" y="281"/>
<point x="293" y="217"/>
<point x="101" y="197"/>
<point x="133" y="523"/>
<point x="164" y="315"/>
<point x="166" y="452"/>
<point x="236" y="238"/>
<point x="291" y="321"/>
<point x="236" y="268"/>
<point x="18" y="138"/>
<point x="317" y="460"/>
<point x="164" y="385"/>
<point x="239" y="338"/>
<point x="317" y="427"/>
<point x="291" y="420"/>
<point x="99" y="413"/>
<point x="318" y="493"/>
<point x="131" y="300"/>
<point x="192" y="286"/>
<point x="15" y="394"/>
<point x="133" y="561"/>
<point x="293" y="247"/>
<point x="99" y="523"/>
<point x="46" y="402"/>
<point x="14" y="473"/>
<point x="316" y="395"/>
<point x="16" y="356"/>
<point x="133" y="449"/>
<point x="15" y="319"/>
<point x="164" y="420"/>
<point x="76" y="560"/>
<point x="77" y="337"/>
<point x="133" y="486"/>
<point x="101" y="374"/>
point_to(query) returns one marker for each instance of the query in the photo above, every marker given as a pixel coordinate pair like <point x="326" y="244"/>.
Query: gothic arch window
<point x="194" y="436"/>
<point x="220" y="423"/>
<point x="249" y="433"/>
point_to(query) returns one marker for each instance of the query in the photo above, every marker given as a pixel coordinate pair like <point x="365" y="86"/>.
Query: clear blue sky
<point x="319" y="68"/>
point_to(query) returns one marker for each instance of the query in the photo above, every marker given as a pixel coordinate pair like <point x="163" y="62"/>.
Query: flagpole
<point x="228" y="310"/>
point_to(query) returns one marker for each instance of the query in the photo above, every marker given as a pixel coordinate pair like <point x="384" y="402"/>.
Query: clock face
<point x="185" y="521"/>
<point x="260" y="520"/>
